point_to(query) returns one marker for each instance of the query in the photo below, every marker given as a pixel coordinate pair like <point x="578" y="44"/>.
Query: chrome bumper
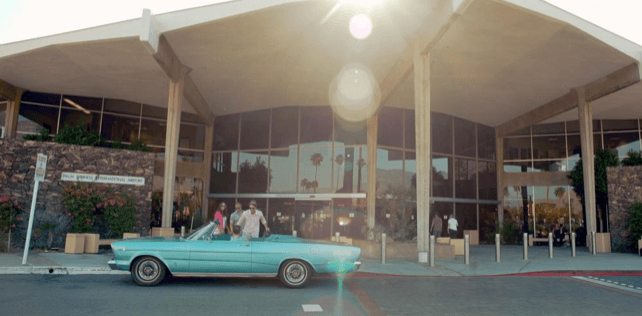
<point x="112" y="264"/>
<point x="357" y="264"/>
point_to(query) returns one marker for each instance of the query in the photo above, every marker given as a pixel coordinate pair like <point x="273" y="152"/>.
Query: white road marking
<point x="312" y="308"/>
<point x="611" y="285"/>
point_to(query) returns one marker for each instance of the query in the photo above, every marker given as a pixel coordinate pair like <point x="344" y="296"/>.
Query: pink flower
<point x="99" y="205"/>
<point x="13" y="225"/>
<point x="4" y="198"/>
<point x="20" y="218"/>
<point x="15" y="203"/>
<point x="120" y="204"/>
<point x="68" y="213"/>
<point x="112" y="202"/>
<point x="89" y="190"/>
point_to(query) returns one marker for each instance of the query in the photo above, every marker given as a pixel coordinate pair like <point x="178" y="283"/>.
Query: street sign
<point x="41" y="167"/>
<point x="41" y="170"/>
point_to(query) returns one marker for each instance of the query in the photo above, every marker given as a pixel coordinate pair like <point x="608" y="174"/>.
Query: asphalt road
<point x="118" y="295"/>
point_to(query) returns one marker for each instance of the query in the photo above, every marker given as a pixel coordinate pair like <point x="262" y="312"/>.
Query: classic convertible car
<point x="201" y="254"/>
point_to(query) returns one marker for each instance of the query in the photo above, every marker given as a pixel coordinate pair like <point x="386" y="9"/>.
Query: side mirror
<point x="208" y="238"/>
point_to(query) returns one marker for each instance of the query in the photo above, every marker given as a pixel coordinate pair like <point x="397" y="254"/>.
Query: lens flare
<point x="354" y="93"/>
<point x="360" y="26"/>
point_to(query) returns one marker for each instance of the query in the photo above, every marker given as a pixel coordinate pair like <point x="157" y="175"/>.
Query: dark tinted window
<point x="44" y="98"/>
<point x="442" y="133"/>
<point x="316" y="124"/>
<point x="191" y="136"/>
<point x="619" y="125"/>
<point x="574" y="126"/>
<point x="465" y="178"/>
<point x="117" y="127"/>
<point x="153" y="132"/>
<point x="622" y="143"/>
<point x="464" y="138"/>
<point x="226" y="132"/>
<point x="390" y="127"/>
<point x="486" y="142"/>
<point x="33" y="118"/>
<point x="410" y="129"/>
<point x="550" y="128"/>
<point x="546" y="147"/>
<point x="224" y="170"/>
<point x="285" y="127"/>
<point x="487" y="180"/>
<point x="517" y="148"/>
<point x="442" y="176"/>
<point x="349" y="133"/>
<point x="154" y="111"/>
<point x="91" y="104"/>
<point x="253" y="172"/>
<point x="255" y="130"/>
<point x="72" y="117"/>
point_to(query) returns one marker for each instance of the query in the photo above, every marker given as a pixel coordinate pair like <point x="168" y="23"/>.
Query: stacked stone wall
<point x="624" y="188"/>
<point x="17" y="168"/>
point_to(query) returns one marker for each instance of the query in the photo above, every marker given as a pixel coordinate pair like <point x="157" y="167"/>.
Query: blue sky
<point x="25" y="19"/>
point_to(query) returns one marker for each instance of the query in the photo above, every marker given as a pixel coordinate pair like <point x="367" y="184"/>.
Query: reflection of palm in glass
<point x="316" y="160"/>
<point x="339" y="161"/>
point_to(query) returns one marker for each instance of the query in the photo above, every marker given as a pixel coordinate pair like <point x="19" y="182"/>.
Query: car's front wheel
<point x="295" y="274"/>
<point x="148" y="271"/>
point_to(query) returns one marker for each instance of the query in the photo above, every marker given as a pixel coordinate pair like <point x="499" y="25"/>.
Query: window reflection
<point x="226" y="132"/>
<point x="122" y="107"/>
<point x="349" y="133"/>
<point x="486" y="142"/>
<point x="410" y="164"/>
<point x="487" y="180"/>
<point x="517" y="166"/>
<point x="549" y="128"/>
<point x="442" y="133"/>
<point x="390" y="131"/>
<point x="409" y="117"/>
<point x="619" y="125"/>
<point x="253" y="172"/>
<point x="285" y="127"/>
<point x="464" y="138"/>
<point x="575" y="145"/>
<point x="255" y="129"/>
<point x="466" y="215"/>
<point x="41" y="98"/>
<point x="349" y="217"/>
<point x="153" y="132"/>
<point x="91" y="104"/>
<point x="33" y="118"/>
<point x="517" y="148"/>
<point x="549" y="147"/>
<point x="361" y="165"/>
<point x="345" y="174"/>
<point x="191" y="136"/>
<point x="117" y="127"/>
<point x="442" y="180"/>
<point x="316" y="125"/>
<point x="622" y="143"/>
<point x="465" y="178"/>
<point x="315" y="170"/>
<point x="224" y="170"/>
<point x="389" y="169"/>
<point x="550" y="165"/>
<point x="282" y="216"/>
<point x="283" y="165"/>
<point x="72" y="117"/>
<point x="487" y="222"/>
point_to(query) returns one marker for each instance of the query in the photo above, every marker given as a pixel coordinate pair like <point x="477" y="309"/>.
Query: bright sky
<point x="26" y="19"/>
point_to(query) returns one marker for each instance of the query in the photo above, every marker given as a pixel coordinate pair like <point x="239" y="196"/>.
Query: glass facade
<point x="114" y="119"/>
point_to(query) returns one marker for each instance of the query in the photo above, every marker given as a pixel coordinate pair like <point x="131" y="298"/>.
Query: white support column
<point x="499" y="151"/>
<point x="422" y="127"/>
<point x="207" y="168"/>
<point x="371" y="195"/>
<point x="588" y="163"/>
<point x="11" y="118"/>
<point x="171" y="147"/>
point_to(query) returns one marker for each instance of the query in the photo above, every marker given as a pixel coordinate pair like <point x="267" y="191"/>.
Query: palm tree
<point x="316" y="160"/>
<point x="314" y="185"/>
<point x="305" y="183"/>
<point x="559" y="192"/>
<point x="339" y="161"/>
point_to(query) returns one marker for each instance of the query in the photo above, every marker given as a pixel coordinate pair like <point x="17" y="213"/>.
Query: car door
<point x="221" y="256"/>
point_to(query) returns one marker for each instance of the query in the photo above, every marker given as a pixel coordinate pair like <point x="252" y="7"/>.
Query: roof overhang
<point x="497" y="60"/>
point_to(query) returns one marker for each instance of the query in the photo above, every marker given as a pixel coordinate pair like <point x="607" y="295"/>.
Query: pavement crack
<point x="524" y="267"/>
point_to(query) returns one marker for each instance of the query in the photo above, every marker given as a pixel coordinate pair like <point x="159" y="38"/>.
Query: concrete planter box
<point x="91" y="243"/>
<point x="459" y="246"/>
<point x="603" y="242"/>
<point x="474" y="236"/>
<point x="640" y="247"/>
<point x="75" y="243"/>
<point x="130" y="235"/>
<point x="162" y="231"/>
<point x="371" y="249"/>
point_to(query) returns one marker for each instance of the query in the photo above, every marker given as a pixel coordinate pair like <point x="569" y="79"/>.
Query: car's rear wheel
<point x="295" y="274"/>
<point x="148" y="271"/>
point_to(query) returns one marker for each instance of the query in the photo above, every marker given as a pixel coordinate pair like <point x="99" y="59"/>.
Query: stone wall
<point x="17" y="168"/>
<point x="625" y="188"/>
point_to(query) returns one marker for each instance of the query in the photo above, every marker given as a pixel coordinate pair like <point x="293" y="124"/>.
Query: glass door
<point x="313" y="219"/>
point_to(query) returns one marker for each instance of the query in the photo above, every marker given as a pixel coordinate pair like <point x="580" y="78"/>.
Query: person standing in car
<point x="234" y="217"/>
<point x="252" y="218"/>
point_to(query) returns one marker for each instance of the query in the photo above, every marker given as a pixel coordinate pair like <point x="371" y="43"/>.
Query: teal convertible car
<point x="201" y="254"/>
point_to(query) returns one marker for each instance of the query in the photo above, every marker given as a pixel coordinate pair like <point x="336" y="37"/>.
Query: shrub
<point x="43" y="137"/>
<point x="632" y="159"/>
<point x="635" y="223"/>
<point x="8" y="216"/>
<point x="81" y="201"/>
<point x="79" y="135"/>
<point x="119" y="211"/>
<point x="509" y="233"/>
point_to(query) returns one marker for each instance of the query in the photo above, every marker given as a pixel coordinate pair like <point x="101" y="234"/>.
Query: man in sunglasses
<point x="234" y="218"/>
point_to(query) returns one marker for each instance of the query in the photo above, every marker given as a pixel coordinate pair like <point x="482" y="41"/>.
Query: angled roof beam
<point x="438" y="22"/>
<point x="9" y="91"/>
<point x="606" y="85"/>
<point x="158" y="46"/>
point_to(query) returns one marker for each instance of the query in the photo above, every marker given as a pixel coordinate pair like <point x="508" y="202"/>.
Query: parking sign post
<point x="41" y="169"/>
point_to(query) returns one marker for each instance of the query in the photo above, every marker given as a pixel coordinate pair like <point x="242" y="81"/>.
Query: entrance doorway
<point x="314" y="218"/>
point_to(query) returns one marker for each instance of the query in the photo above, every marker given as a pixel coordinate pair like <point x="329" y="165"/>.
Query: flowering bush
<point x="120" y="213"/>
<point x="85" y="204"/>
<point x="8" y="215"/>
<point x="81" y="201"/>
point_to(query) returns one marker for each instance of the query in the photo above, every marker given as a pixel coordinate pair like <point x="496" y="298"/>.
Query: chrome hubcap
<point x="295" y="273"/>
<point x="148" y="270"/>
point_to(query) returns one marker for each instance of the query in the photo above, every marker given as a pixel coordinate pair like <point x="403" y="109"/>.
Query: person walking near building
<point x="452" y="227"/>
<point x="234" y="217"/>
<point x="436" y="226"/>
<point x="252" y="218"/>
<point x="220" y="213"/>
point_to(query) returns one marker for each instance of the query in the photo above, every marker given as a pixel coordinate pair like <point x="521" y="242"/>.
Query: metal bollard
<point x="550" y="245"/>
<point x="294" y="233"/>
<point x="525" y="242"/>
<point x="383" y="248"/>
<point x="182" y="231"/>
<point x="466" y="249"/>
<point x="573" y="253"/>
<point x="337" y="237"/>
<point x="594" y="243"/>
<point x="432" y="251"/>
<point x="497" y="248"/>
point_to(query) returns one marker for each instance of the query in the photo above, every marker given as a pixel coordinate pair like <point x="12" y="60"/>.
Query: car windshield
<point x="204" y="230"/>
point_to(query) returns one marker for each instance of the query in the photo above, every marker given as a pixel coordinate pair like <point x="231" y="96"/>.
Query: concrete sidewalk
<point x="482" y="263"/>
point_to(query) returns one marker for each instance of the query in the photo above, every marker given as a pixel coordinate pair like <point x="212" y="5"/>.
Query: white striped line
<point x="612" y="285"/>
<point x="312" y="308"/>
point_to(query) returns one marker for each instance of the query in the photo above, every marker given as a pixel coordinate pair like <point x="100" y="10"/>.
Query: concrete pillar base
<point x="423" y="257"/>
<point x="162" y="231"/>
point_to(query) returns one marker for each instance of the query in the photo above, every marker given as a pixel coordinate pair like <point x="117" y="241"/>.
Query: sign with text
<point x="101" y="178"/>
<point x="41" y="167"/>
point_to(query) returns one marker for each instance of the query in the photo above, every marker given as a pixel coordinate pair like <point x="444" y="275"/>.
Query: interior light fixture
<point x="77" y="106"/>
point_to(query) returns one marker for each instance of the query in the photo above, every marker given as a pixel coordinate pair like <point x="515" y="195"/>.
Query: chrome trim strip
<point x="357" y="264"/>
<point x="226" y="275"/>
<point x="296" y="196"/>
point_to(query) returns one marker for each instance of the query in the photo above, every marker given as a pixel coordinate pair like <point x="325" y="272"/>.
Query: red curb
<point x="525" y="274"/>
